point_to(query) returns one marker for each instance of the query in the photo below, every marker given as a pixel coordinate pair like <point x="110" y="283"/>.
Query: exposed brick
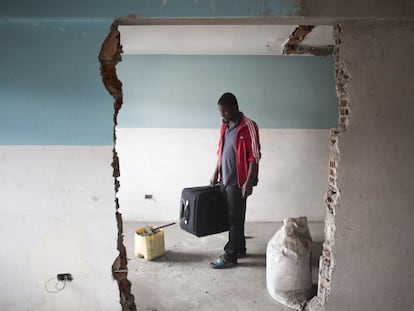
<point x="332" y="196"/>
<point x="109" y="57"/>
<point x="344" y="111"/>
<point x="295" y="39"/>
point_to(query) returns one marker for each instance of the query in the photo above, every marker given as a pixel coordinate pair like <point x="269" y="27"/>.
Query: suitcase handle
<point x="184" y="208"/>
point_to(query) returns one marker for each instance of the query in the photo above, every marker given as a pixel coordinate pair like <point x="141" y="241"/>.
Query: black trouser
<point x="236" y="205"/>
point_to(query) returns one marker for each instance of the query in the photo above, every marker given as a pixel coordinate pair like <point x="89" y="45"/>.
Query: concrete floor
<point x="182" y="279"/>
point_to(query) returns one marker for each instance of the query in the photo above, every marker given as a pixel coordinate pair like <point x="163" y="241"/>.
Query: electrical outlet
<point x="64" y="277"/>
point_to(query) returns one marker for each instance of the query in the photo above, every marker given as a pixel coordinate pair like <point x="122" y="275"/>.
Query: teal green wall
<point x="182" y="91"/>
<point x="50" y="85"/>
<point x="148" y="8"/>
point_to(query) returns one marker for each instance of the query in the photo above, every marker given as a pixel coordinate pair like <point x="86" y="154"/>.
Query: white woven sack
<point x="288" y="263"/>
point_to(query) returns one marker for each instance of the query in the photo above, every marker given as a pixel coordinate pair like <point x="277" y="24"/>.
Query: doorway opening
<point x="110" y="56"/>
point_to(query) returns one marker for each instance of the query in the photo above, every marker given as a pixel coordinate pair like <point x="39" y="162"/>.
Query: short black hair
<point x="228" y="99"/>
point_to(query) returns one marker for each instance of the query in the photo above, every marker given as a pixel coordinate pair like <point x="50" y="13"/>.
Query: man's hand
<point x="247" y="190"/>
<point x="214" y="178"/>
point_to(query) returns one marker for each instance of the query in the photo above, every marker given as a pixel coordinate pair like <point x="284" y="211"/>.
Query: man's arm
<point x="247" y="188"/>
<point x="214" y="178"/>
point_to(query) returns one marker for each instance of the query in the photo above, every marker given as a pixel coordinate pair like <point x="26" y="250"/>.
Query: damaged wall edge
<point x="296" y="38"/>
<point x="332" y="196"/>
<point x="294" y="45"/>
<point x="109" y="56"/>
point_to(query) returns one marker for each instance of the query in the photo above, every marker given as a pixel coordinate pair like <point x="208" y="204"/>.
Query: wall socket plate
<point x="64" y="277"/>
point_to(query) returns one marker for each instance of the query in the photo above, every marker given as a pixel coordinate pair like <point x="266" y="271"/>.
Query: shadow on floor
<point x="182" y="279"/>
<point x="253" y="260"/>
<point x="186" y="257"/>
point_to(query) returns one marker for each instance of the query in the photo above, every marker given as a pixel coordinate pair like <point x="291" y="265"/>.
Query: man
<point x="237" y="170"/>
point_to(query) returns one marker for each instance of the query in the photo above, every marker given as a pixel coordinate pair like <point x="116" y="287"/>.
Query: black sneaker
<point x="241" y="254"/>
<point x="222" y="262"/>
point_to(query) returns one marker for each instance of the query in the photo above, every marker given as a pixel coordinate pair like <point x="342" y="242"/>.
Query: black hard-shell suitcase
<point x="203" y="211"/>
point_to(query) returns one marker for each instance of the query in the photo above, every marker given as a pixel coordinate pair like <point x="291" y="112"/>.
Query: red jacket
<point x="247" y="147"/>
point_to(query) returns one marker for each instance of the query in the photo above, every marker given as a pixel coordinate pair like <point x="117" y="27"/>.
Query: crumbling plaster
<point x="109" y="56"/>
<point x="295" y="45"/>
<point x="332" y="196"/>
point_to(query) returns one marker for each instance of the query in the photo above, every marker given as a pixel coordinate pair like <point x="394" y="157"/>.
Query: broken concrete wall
<point x="56" y="177"/>
<point x="371" y="247"/>
<point x="57" y="217"/>
<point x="369" y="234"/>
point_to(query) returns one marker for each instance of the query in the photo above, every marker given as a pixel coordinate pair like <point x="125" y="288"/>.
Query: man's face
<point x="228" y="112"/>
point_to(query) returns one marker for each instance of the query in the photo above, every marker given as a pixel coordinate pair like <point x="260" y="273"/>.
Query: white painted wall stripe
<point x="292" y="176"/>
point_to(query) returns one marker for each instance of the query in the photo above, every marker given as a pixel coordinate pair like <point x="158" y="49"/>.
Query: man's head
<point x="228" y="107"/>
